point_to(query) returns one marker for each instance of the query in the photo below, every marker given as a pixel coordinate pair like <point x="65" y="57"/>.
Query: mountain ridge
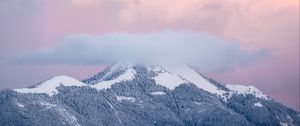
<point x="133" y="94"/>
<point x="104" y="83"/>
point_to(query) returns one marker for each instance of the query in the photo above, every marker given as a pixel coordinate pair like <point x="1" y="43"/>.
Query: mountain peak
<point x="169" y="76"/>
<point x="49" y="86"/>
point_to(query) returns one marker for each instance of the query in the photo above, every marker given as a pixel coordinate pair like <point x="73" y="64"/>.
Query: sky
<point x="249" y="42"/>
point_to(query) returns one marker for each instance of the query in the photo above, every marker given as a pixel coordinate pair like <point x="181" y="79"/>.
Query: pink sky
<point x="253" y="24"/>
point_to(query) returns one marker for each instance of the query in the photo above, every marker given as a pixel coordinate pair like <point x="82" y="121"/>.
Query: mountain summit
<point x="139" y="94"/>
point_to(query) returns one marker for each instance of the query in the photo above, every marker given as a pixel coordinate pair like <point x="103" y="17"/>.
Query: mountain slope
<point x="132" y="94"/>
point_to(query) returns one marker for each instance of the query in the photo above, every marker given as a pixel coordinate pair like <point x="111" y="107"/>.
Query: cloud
<point x="198" y="49"/>
<point x="83" y="3"/>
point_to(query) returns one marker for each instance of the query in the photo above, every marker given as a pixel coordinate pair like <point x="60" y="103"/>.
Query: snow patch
<point x="49" y="86"/>
<point x="187" y="109"/>
<point x="127" y="76"/>
<point x="168" y="80"/>
<point x="47" y="104"/>
<point x="284" y="124"/>
<point x="258" y="104"/>
<point x="158" y="93"/>
<point x="122" y="98"/>
<point x="20" y="105"/>
<point x="245" y="90"/>
<point x="198" y="103"/>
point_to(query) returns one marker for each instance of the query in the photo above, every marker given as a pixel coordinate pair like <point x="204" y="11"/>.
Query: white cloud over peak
<point x="199" y="49"/>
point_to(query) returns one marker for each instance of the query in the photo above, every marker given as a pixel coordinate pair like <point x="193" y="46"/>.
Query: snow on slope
<point x="49" y="86"/>
<point x="20" y="105"/>
<point x="116" y="67"/>
<point x="167" y="79"/>
<point x="167" y="76"/>
<point x="158" y="93"/>
<point x="124" y="98"/>
<point x="244" y="90"/>
<point x="173" y="76"/>
<point x="127" y="76"/>
<point x="185" y="74"/>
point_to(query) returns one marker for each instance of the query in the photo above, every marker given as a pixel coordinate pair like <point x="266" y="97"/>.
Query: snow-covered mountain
<point x="138" y="94"/>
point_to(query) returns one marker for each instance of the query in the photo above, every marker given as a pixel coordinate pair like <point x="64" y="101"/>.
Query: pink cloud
<point x="254" y="24"/>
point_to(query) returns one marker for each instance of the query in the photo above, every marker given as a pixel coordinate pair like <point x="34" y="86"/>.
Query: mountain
<point x="139" y="94"/>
